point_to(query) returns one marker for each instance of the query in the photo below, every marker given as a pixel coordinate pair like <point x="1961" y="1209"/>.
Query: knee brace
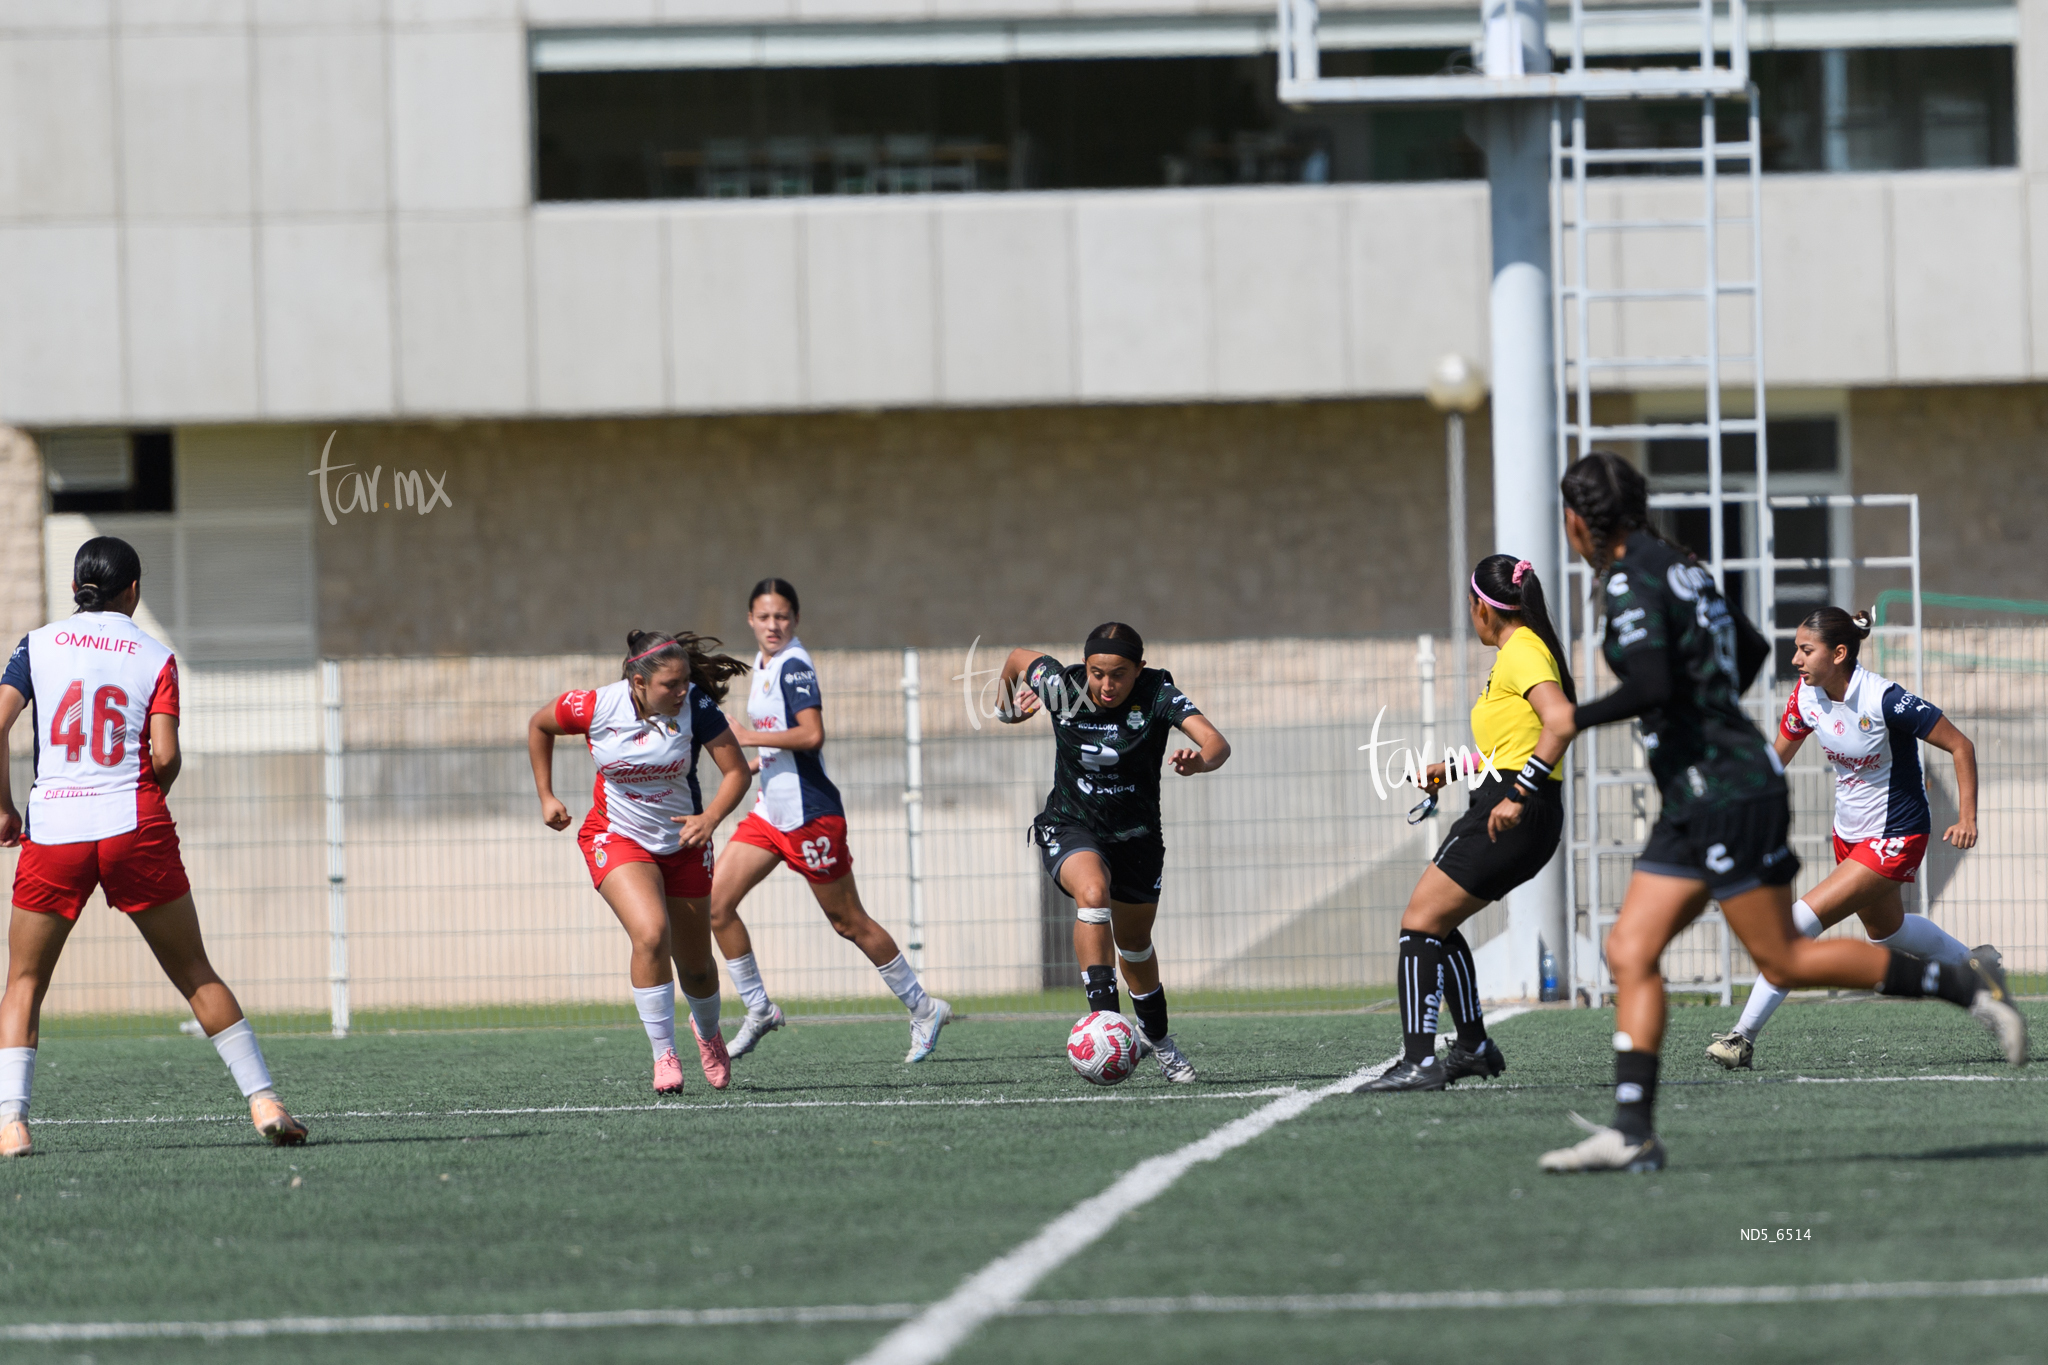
<point x="1143" y="954"/>
<point x="1092" y="914"/>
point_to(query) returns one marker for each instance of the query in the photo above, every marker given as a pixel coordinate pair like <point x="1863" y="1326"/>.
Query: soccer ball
<point x="1103" y="1048"/>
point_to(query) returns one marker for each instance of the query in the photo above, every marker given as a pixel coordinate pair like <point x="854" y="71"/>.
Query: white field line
<point x="998" y="1287"/>
<point x="1706" y="1295"/>
<point x="990" y="1101"/>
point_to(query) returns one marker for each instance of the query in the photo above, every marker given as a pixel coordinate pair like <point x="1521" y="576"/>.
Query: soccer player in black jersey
<point x="1098" y="834"/>
<point x="1684" y="658"/>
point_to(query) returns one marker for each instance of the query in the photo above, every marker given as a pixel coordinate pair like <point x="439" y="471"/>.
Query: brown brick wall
<point x="1191" y="522"/>
<point x="1978" y="458"/>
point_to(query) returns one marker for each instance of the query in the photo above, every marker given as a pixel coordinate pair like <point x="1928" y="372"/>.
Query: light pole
<point x="1457" y="386"/>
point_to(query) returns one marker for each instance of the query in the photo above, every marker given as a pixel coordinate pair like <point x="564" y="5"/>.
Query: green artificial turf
<point x="831" y="1173"/>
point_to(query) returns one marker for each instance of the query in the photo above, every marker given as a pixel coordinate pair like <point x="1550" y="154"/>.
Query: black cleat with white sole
<point x="1405" y="1075"/>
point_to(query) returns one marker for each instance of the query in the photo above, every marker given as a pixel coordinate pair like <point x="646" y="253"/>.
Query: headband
<point x="1497" y="606"/>
<point x="1112" y="644"/>
<point x="665" y="644"/>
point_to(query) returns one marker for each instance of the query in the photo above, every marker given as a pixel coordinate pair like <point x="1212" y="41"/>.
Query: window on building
<point x="1099" y="122"/>
<point x="115" y="471"/>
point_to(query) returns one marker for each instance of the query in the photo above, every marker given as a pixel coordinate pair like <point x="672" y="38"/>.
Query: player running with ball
<point x="798" y="821"/>
<point x="1099" y="835"/>
<point x="1684" y="659"/>
<point x="105" y="698"/>
<point x="1870" y="730"/>
<point x="647" y="839"/>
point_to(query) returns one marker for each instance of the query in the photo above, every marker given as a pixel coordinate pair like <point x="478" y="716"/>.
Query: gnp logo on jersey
<point x="1718" y="859"/>
<point x="1617" y="585"/>
<point x="1098" y="756"/>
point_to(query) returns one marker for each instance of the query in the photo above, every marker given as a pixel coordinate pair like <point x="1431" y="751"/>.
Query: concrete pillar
<point x="1526" y="512"/>
<point x="21" y="552"/>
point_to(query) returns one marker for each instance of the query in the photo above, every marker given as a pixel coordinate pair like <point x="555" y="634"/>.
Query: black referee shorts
<point x="1136" y="866"/>
<point x="1490" y="868"/>
<point x="1733" y="848"/>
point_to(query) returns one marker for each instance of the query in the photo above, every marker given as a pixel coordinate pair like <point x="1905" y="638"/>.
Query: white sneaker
<point x="1607" y="1149"/>
<point x="924" y="1033"/>
<point x="753" y="1030"/>
<point x="1172" y="1060"/>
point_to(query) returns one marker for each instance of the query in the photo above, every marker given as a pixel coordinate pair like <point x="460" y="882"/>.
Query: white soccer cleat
<point x="924" y="1033"/>
<point x="1605" y="1149"/>
<point x="1172" y="1060"/>
<point x="753" y="1030"/>
<point x="1732" y="1050"/>
<point x="1993" y="1007"/>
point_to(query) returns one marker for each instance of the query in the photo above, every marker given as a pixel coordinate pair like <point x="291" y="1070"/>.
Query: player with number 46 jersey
<point x="104" y="695"/>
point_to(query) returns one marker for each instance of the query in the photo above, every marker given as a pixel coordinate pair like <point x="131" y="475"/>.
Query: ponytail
<point x="1503" y="581"/>
<point x="1837" y="629"/>
<point x="648" y="650"/>
<point x="103" y="569"/>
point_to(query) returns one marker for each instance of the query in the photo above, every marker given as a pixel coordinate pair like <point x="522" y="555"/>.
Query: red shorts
<point x="685" y="874"/>
<point x="1895" y="857"/>
<point x="817" y="850"/>
<point x="139" y="870"/>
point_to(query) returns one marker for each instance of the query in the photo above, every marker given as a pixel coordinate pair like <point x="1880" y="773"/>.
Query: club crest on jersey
<point x="1863" y="723"/>
<point x="1135" y="719"/>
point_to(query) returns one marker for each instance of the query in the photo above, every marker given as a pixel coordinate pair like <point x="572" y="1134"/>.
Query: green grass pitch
<point x="798" y="1187"/>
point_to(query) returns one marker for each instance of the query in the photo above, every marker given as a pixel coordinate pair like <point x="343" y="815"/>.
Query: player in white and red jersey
<point x="798" y="820"/>
<point x="105" y="720"/>
<point x="1870" y="730"/>
<point x="647" y="839"/>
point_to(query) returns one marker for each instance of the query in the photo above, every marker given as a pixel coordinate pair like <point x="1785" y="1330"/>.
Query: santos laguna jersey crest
<point x="794" y="788"/>
<point x="95" y="679"/>
<point x="1871" y="739"/>
<point x="646" y="769"/>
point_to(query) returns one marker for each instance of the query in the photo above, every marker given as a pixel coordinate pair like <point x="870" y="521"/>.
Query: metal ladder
<point x="1591" y="321"/>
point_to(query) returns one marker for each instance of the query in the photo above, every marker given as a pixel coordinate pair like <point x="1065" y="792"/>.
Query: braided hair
<point x="1497" y="578"/>
<point x="1611" y="495"/>
<point x="648" y="650"/>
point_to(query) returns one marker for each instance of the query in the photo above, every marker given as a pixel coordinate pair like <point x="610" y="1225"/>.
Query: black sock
<point x="1100" y="983"/>
<point x="1151" y="1012"/>
<point x="1420" y="986"/>
<point x="1917" y="978"/>
<point x="1461" y="991"/>
<point x="1635" y="1093"/>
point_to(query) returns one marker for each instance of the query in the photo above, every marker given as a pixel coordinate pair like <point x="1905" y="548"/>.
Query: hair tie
<point x="1481" y="595"/>
<point x="1522" y="566"/>
<point x="656" y="650"/>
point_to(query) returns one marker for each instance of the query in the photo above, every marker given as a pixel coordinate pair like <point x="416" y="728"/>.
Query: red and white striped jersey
<point x="646" y="768"/>
<point x="94" y="680"/>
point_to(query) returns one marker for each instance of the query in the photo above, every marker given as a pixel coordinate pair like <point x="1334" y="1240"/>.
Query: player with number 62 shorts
<point x="799" y="822"/>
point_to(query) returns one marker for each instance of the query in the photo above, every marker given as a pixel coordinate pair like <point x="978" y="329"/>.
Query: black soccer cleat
<point x="1405" y="1075"/>
<point x="1485" y="1061"/>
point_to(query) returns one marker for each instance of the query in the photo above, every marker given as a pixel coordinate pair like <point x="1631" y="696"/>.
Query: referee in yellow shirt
<point x="1503" y="839"/>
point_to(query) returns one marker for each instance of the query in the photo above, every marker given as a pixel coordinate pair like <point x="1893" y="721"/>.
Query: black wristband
<point x="1534" y="774"/>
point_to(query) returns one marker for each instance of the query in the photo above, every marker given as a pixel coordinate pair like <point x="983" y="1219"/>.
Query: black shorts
<point x="1490" y="868"/>
<point x="1136" y="866"/>
<point x="1732" y="848"/>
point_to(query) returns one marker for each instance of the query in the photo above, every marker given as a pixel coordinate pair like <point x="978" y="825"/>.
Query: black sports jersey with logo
<point x="1105" y="777"/>
<point x="1704" y="751"/>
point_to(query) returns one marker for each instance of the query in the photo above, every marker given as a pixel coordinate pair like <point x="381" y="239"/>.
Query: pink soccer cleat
<point x="279" y="1128"/>
<point x="668" y="1074"/>
<point x="717" y="1062"/>
<point x="14" y="1139"/>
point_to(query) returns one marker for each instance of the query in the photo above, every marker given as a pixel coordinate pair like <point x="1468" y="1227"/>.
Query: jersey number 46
<point x="109" y="737"/>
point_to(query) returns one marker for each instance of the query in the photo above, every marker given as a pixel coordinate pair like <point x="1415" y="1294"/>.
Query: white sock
<point x="704" y="1013"/>
<point x="237" y="1046"/>
<point x="657" y="1006"/>
<point x="902" y="979"/>
<point x="17" y="1077"/>
<point x="1922" y="937"/>
<point x="746" y="979"/>
<point x="1764" y="998"/>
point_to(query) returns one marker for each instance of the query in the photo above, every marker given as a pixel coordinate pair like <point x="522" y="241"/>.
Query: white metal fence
<point x="369" y="852"/>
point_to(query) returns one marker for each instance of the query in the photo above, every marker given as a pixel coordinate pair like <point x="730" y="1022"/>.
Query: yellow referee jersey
<point x="1503" y="723"/>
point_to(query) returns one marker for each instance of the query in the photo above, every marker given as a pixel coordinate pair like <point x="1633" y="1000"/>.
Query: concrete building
<point x="595" y="311"/>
